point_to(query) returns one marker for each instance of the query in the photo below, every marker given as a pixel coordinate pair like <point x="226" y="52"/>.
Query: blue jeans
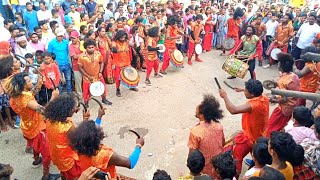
<point x="66" y="71"/>
<point x="23" y="8"/>
<point x="15" y="8"/>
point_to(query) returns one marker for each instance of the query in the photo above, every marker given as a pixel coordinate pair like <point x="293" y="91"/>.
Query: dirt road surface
<point x="163" y="113"/>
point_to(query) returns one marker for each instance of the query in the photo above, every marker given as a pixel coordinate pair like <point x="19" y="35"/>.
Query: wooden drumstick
<point x="134" y="132"/>
<point x="217" y="82"/>
<point x="96" y="100"/>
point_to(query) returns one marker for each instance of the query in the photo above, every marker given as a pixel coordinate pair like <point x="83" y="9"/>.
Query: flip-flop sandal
<point x="12" y="126"/>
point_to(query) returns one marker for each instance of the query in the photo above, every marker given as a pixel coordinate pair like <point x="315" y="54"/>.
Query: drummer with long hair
<point x="121" y="57"/>
<point x="91" y="67"/>
<point x="170" y="42"/>
<point x="152" y="60"/>
<point x="251" y="48"/>
<point x="194" y="39"/>
<point x="234" y="25"/>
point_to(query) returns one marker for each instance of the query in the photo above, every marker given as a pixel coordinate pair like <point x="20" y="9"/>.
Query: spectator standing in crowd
<point x="74" y="51"/>
<point x="91" y="6"/>
<point x="60" y="47"/>
<point x="43" y="13"/>
<point x="31" y="17"/>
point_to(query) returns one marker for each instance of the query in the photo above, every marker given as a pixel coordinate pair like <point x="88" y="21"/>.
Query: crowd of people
<point x="52" y="52"/>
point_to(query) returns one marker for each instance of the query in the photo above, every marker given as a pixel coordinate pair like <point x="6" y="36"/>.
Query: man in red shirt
<point x="234" y="25"/>
<point x="74" y="51"/>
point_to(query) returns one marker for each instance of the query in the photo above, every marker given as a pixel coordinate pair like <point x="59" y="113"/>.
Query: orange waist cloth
<point x="61" y="153"/>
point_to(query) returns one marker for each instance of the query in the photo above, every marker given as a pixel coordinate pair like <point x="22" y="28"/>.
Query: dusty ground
<point x="163" y="113"/>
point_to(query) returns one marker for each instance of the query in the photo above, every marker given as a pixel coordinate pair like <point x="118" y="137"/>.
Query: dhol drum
<point x="176" y="58"/>
<point x="235" y="67"/>
<point x="274" y="53"/>
<point x="129" y="77"/>
<point x="96" y="88"/>
<point x="198" y="49"/>
<point x="229" y="43"/>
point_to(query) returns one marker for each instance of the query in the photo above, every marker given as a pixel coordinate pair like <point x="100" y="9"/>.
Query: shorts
<point x="4" y="101"/>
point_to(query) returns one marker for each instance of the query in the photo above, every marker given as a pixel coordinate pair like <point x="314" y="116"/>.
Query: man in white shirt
<point x="272" y="25"/>
<point x="75" y="15"/>
<point x="4" y="30"/>
<point x="22" y="47"/>
<point x="43" y="13"/>
<point x="109" y="12"/>
<point x="305" y="35"/>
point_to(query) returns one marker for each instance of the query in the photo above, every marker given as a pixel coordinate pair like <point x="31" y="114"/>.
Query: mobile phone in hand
<point x="100" y="175"/>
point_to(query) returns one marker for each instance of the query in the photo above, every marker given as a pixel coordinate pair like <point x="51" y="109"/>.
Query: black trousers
<point x="134" y="62"/>
<point x="44" y="95"/>
<point x="252" y="66"/>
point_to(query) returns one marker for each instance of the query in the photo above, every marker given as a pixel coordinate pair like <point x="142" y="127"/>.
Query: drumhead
<point x="163" y="48"/>
<point x="178" y="56"/>
<point x="96" y="88"/>
<point x="130" y="74"/>
<point x="198" y="49"/>
<point x="229" y="43"/>
<point x="274" y="53"/>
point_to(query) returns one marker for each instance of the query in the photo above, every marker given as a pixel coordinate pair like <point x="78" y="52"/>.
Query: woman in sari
<point x="222" y="30"/>
<point x="208" y="28"/>
<point x="103" y="46"/>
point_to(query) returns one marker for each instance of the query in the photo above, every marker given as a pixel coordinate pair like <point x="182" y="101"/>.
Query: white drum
<point x="97" y="88"/>
<point x="274" y="53"/>
<point x="198" y="49"/>
<point x="163" y="48"/>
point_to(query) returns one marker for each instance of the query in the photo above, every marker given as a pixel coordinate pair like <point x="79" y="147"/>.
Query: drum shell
<point x="127" y="82"/>
<point x="235" y="67"/>
<point x="174" y="60"/>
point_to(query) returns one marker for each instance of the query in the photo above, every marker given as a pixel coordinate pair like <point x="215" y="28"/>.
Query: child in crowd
<point x="5" y="171"/>
<point x="224" y="166"/>
<point x="50" y="71"/>
<point x="161" y="41"/>
<point x="301" y="171"/>
<point x="161" y="175"/>
<point x="195" y="163"/>
<point x="269" y="173"/>
<point x="38" y="55"/>
<point x="260" y="156"/>
<point x="31" y="71"/>
<point x="301" y="118"/>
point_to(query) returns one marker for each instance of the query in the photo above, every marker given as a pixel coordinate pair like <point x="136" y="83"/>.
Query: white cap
<point x="59" y="31"/>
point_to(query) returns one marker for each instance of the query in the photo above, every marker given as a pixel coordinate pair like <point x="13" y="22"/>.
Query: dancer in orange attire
<point x="91" y="67"/>
<point x="287" y="81"/>
<point x="152" y="60"/>
<point x="59" y="124"/>
<point x="121" y="57"/>
<point x="170" y="42"/>
<point x="255" y="114"/>
<point x="194" y="39"/>
<point x="86" y="140"/>
<point x="19" y="87"/>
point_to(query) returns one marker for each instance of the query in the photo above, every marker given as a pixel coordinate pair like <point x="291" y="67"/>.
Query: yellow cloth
<point x="297" y="3"/>
<point x="287" y="172"/>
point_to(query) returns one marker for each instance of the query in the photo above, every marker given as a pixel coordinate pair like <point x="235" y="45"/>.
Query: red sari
<point x="207" y="40"/>
<point x="104" y="49"/>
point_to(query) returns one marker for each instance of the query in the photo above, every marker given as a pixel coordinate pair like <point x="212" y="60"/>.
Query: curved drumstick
<point x="54" y="85"/>
<point x="84" y="106"/>
<point x="217" y="82"/>
<point x="96" y="100"/>
<point x="24" y="62"/>
<point x="134" y="132"/>
<point x="34" y="67"/>
<point x="228" y="85"/>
